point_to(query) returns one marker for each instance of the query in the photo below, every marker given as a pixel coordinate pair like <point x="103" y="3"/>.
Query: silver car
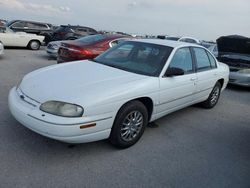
<point x="52" y="48"/>
<point x="1" y="48"/>
<point x="235" y="52"/>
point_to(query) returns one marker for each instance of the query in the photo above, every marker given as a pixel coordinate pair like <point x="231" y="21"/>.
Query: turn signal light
<point x="87" y="126"/>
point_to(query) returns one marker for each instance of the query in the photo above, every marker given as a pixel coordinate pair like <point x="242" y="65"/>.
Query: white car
<point x="20" y="39"/>
<point x="190" y="40"/>
<point x="115" y="95"/>
<point x="1" y="48"/>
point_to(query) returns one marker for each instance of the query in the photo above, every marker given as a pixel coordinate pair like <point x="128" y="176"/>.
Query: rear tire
<point x="213" y="97"/>
<point x="34" y="45"/>
<point x="129" y="124"/>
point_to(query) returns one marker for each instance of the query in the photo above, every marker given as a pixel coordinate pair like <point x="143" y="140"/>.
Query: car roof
<point x="170" y="43"/>
<point x="76" y="26"/>
<point x="12" y="21"/>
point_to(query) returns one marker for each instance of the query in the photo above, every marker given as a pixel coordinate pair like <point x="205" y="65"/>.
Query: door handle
<point x="192" y="79"/>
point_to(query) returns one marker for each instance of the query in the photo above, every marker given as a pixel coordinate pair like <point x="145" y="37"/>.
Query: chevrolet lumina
<point x="116" y="94"/>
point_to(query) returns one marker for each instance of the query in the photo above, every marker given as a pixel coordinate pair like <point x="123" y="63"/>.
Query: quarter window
<point x="212" y="60"/>
<point x="202" y="59"/>
<point x="182" y="59"/>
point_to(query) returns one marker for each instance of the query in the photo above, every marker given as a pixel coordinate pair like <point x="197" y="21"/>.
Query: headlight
<point x="244" y="71"/>
<point x="55" y="46"/>
<point x="62" y="109"/>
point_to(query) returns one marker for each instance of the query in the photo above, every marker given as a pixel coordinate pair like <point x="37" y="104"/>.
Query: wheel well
<point x="34" y="40"/>
<point x="148" y="104"/>
<point x="221" y="81"/>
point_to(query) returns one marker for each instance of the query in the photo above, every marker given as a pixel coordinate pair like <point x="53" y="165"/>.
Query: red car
<point x="87" y="47"/>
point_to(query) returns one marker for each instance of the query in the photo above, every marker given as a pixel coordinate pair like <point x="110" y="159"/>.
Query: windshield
<point x="137" y="57"/>
<point x="8" y="30"/>
<point x="91" y="38"/>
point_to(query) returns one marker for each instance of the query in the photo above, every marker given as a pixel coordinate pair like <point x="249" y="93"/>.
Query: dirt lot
<point x="193" y="147"/>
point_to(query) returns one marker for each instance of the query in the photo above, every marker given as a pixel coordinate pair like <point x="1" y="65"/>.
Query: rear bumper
<point x="30" y="117"/>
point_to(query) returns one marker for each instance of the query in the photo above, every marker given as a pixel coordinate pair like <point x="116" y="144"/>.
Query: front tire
<point x="34" y="45"/>
<point x="129" y="124"/>
<point x="213" y="97"/>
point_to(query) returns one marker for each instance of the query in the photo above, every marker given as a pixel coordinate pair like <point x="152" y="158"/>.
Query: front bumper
<point x="1" y="49"/>
<point x="240" y="79"/>
<point x="52" y="52"/>
<point x="56" y="127"/>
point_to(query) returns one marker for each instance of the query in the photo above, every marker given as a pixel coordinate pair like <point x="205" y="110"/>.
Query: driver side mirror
<point x="173" y="71"/>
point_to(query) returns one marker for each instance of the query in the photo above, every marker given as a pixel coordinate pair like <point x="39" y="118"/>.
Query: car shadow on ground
<point x="45" y="57"/>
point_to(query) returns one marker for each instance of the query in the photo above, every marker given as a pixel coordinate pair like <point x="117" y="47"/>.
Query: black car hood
<point x="233" y="44"/>
<point x="234" y="50"/>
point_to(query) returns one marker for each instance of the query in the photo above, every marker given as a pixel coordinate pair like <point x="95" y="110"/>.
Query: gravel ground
<point x="192" y="148"/>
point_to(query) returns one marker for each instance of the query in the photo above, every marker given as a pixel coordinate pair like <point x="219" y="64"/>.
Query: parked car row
<point x="50" y="32"/>
<point x="87" y="44"/>
<point x="232" y="49"/>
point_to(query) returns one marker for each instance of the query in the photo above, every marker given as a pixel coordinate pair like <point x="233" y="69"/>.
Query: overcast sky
<point x="203" y="19"/>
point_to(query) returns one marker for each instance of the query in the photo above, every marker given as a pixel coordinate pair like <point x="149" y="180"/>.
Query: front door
<point x="177" y="91"/>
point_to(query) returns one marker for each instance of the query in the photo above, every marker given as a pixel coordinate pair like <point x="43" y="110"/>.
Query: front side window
<point x="137" y="57"/>
<point x="202" y="59"/>
<point x="182" y="59"/>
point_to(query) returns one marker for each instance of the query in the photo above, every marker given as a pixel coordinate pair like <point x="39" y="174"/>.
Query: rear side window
<point x="91" y="39"/>
<point x="212" y="60"/>
<point x="182" y="59"/>
<point x="36" y="25"/>
<point x="202" y="60"/>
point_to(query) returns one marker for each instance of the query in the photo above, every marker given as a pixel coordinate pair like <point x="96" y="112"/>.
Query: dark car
<point x="88" y="47"/>
<point x="39" y="28"/>
<point x="2" y="22"/>
<point x="168" y="37"/>
<point x="234" y="51"/>
<point x="69" y="32"/>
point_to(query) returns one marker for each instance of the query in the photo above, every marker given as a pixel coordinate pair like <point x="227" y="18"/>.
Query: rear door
<point x="177" y="91"/>
<point x="206" y="69"/>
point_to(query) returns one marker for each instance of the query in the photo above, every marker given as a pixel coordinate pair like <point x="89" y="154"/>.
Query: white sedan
<point x="20" y="39"/>
<point x="115" y="95"/>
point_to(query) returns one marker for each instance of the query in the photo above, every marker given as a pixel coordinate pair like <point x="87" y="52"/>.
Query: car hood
<point x="234" y="50"/>
<point x="233" y="44"/>
<point x="84" y="81"/>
